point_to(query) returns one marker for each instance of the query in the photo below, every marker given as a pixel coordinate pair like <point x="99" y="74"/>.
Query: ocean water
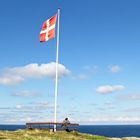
<point x="103" y="130"/>
<point x="111" y="130"/>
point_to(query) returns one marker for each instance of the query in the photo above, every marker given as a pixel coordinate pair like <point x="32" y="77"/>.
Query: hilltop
<point x="46" y="135"/>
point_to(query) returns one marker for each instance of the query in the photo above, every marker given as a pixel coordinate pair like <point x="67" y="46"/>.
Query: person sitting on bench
<point x="65" y="124"/>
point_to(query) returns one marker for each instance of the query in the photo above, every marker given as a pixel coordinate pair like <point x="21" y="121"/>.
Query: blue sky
<point x="98" y="59"/>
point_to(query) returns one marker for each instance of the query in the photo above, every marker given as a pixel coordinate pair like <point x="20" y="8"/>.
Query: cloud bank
<point x="25" y="93"/>
<point x="13" y="76"/>
<point x="109" y="88"/>
<point x="116" y="119"/>
<point x="131" y="97"/>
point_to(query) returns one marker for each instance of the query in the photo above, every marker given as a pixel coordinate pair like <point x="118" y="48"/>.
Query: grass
<point x="46" y="135"/>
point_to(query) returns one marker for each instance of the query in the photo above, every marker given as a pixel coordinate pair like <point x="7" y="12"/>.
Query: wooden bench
<point x="49" y="125"/>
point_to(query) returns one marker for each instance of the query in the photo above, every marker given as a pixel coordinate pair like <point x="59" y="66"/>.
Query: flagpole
<point x="56" y="72"/>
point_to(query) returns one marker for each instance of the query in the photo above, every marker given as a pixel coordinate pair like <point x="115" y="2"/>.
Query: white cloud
<point x="88" y="70"/>
<point x="10" y="79"/>
<point x="12" y="76"/>
<point x="115" y="68"/>
<point x="133" y="109"/>
<point x="19" y="106"/>
<point x="43" y="105"/>
<point x="109" y="88"/>
<point x="115" y="119"/>
<point x="35" y="106"/>
<point x="130" y="97"/>
<point x="18" y="120"/>
<point x="26" y="93"/>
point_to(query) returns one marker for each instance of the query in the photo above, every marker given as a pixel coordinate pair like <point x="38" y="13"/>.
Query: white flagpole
<point x="56" y="74"/>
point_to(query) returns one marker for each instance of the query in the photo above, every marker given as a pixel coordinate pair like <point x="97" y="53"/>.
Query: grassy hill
<point x="46" y="135"/>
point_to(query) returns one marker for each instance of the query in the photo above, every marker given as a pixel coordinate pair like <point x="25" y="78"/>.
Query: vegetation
<point x="46" y="135"/>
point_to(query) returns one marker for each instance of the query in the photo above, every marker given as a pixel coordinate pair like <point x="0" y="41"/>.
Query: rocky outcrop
<point x="130" y="138"/>
<point x="126" y="138"/>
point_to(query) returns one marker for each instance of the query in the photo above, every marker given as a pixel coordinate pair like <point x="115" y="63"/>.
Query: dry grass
<point x="46" y="135"/>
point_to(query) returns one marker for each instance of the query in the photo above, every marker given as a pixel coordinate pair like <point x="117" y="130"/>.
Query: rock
<point x="130" y="138"/>
<point x="115" y="138"/>
<point x="125" y="138"/>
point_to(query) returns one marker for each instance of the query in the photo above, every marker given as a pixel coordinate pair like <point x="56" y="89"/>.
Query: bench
<point x="49" y="125"/>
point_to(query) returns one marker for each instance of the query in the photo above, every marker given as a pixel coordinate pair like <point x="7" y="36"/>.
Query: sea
<point x="102" y="130"/>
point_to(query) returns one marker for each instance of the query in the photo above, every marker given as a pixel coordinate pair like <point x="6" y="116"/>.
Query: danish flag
<point x="48" y="29"/>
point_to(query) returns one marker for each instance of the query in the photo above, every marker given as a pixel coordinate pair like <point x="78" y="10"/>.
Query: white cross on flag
<point x="48" y="29"/>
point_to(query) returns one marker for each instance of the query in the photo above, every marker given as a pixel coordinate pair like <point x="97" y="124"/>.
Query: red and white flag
<point x="48" y="29"/>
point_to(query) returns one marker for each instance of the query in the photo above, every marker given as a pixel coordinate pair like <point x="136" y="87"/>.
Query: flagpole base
<point x="55" y="128"/>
